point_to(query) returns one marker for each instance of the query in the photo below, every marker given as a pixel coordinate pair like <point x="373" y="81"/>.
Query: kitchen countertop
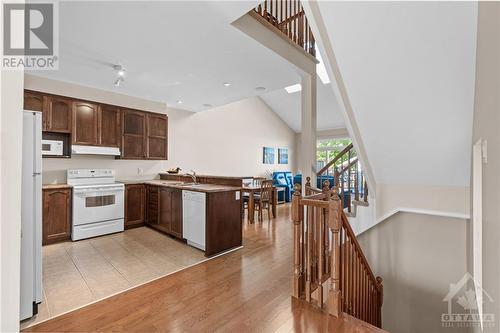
<point x="207" y="188"/>
<point x="55" y="186"/>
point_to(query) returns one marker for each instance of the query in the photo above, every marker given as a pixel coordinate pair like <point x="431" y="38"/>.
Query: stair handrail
<point x="353" y="288"/>
<point x="340" y="155"/>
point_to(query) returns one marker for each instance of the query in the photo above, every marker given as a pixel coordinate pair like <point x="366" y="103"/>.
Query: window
<point x="328" y="149"/>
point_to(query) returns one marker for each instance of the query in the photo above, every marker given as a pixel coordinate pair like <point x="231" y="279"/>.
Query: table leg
<point x="275" y="201"/>
<point x="251" y="207"/>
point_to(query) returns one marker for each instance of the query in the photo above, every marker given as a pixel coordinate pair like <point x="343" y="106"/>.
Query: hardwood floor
<point x="244" y="291"/>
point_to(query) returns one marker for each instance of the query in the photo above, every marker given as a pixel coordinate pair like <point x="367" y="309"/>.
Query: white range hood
<point x="94" y="150"/>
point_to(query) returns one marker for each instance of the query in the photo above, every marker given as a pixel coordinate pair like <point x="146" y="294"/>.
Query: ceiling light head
<point x="118" y="81"/>
<point x="120" y="70"/>
<point x="226" y="84"/>
<point x="293" y="88"/>
<point x="179" y="101"/>
<point x="260" y="89"/>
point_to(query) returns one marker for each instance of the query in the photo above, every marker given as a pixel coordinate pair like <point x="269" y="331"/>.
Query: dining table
<point x="255" y="189"/>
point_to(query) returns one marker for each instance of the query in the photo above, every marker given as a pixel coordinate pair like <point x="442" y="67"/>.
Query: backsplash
<point x="54" y="169"/>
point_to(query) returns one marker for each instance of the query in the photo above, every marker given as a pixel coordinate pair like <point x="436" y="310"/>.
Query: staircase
<point x="348" y="178"/>
<point x="327" y="253"/>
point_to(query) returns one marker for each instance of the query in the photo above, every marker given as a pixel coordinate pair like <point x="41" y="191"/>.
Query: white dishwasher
<point x="193" y="218"/>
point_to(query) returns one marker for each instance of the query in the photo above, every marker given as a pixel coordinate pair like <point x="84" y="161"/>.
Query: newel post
<point x="380" y="296"/>
<point x="307" y="186"/>
<point x="335" y="224"/>
<point x="297" y="217"/>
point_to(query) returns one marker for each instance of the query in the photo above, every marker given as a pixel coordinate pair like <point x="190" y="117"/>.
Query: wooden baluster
<point x="335" y="224"/>
<point x="356" y="283"/>
<point x="297" y="222"/>
<point x="380" y="296"/>
<point x="309" y="253"/>
<point x="307" y="189"/>
<point x="323" y="215"/>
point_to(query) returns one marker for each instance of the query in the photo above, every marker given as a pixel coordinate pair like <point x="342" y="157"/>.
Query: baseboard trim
<point x="424" y="212"/>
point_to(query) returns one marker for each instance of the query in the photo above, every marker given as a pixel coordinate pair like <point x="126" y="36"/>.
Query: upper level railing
<point x="289" y="17"/>
<point x="348" y="177"/>
<point x="326" y="251"/>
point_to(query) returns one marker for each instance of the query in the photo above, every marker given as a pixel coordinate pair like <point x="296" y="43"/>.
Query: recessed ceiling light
<point x="293" y="88"/>
<point x="179" y="102"/>
<point x="207" y="105"/>
<point x="226" y="84"/>
<point x="120" y="70"/>
<point x="260" y="88"/>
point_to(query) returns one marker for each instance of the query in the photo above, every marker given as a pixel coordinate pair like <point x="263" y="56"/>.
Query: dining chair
<point x="263" y="199"/>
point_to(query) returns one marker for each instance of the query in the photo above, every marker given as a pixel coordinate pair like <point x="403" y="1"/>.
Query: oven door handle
<point x="97" y="190"/>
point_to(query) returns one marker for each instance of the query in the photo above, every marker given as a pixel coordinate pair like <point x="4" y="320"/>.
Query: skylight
<point x="321" y="69"/>
<point x="293" y="88"/>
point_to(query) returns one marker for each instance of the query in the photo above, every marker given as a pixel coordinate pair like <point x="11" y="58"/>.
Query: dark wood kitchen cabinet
<point x="152" y="205"/>
<point x="56" y="111"/>
<point x="164" y="209"/>
<point x="85" y="121"/>
<point x="134" y="135"/>
<point x="135" y="201"/>
<point x="170" y="211"/>
<point x="56" y="218"/>
<point x="157" y="126"/>
<point x="57" y="114"/>
<point x="109" y="121"/>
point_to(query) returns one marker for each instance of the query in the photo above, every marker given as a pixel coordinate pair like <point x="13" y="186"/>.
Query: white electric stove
<point x="98" y="203"/>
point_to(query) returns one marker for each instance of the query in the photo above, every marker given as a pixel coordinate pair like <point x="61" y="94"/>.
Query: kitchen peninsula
<point x="206" y="215"/>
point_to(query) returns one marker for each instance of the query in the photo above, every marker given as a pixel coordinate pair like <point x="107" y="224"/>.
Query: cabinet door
<point x="109" y="126"/>
<point x="157" y="136"/>
<point x="165" y="213"/>
<point x="134" y="135"/>
<point x="152" y="205"/>
<point x="135" y="196"/>
<point x="84" y="123"/>
<point x="35" y="102"/>
<point x="58" y="114"/>
<point x="56" y="215"/>
<point x="176" y="206"/>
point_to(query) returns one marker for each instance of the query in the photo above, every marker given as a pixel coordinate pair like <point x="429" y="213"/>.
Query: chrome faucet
<point x="193" y="176"/>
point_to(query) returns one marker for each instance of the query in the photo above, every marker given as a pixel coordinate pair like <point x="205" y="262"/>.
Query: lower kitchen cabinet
<point x="135" y="201"/>
<point x="56" y="219"/>
<point x="165" y="209"/>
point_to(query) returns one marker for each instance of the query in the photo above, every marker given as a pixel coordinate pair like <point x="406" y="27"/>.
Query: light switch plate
<point x="237" y="195"/>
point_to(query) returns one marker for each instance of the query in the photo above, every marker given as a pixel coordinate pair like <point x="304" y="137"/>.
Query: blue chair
<point x="280" y="180"/>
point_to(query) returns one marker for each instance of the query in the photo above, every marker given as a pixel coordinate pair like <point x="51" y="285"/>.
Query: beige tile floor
<point x="78" y="273"/>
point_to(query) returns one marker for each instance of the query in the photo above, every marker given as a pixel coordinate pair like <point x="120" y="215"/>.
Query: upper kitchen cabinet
<point x="56" y="111"/>
<point x="109" y="126"/>
<point x="134" y="135"/>
<point x="157" y="139"/>
<point x="57" y="114"/>
<point x="85" y="120"/>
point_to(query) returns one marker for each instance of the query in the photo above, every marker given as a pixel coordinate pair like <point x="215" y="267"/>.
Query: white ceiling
<point x="172" y="50"/>
<point x="287" y="106"/>
<point x="409" y="70"/>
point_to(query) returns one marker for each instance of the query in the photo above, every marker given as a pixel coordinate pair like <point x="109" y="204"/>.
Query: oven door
<point x="97" y="203"/>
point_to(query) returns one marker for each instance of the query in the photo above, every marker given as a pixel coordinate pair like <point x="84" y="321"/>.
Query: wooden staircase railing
<point x="326" y="251"/>
<point x="348" y="177"/>
<point x="288" y="16"/>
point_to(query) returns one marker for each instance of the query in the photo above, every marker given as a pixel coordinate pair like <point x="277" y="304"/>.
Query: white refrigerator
<point x="31" y="215"/>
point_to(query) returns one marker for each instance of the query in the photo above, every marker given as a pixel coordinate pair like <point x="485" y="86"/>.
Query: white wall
<point x="418" y="256"/>
<point x="438" y="200"/>
<point x="226" y="140"/>
<point x="487" y="127"/>
<point x="11" y="127"/>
